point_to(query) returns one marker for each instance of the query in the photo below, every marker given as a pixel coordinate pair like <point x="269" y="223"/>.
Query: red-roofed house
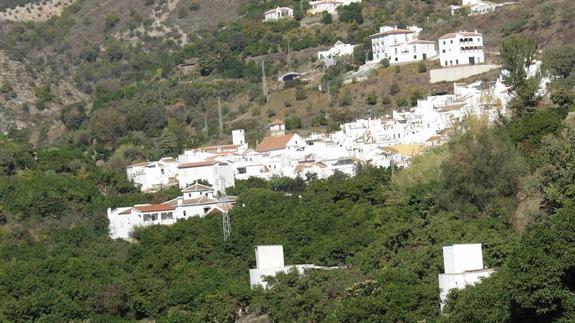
<point x="196" y="201"/>
<point x="281" y="144"/>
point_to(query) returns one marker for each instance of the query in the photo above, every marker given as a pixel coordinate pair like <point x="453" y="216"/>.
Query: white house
<point x="400" y="45"/>
<point x="196" y="201"/>
<point x="270" y="262"/>
<point x="339" y="49"/>
<point x="217" y="173"/>
<point x="329" y="6"/>
<point x="477" y="7"/>
<point x="153" y="176"/>
<point x="461" y="48"/>
<point x="463" y="264"/>
<point x="278" y="13"/>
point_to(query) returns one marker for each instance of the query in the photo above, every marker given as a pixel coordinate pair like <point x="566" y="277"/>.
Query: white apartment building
<point x="270" y="262"/>
<point x="461" y="48"/>
<point x="196" y="201"/>
<point x="278" y="13"/>
<point x="401" y="45"/>
<point x="329" y="6"/>
<point x="338" y="50"/>
<point x="463" y="264"/>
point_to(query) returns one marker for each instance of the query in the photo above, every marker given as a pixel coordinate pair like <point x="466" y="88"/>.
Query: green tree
<point x="293" y="123"/>
<point x="350" y="13"/>
<point x="326" y="18"/>
<point x="517" y="55"/>
<point x="481" y="173"/>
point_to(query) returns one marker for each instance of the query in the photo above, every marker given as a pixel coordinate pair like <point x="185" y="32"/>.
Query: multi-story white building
<point x="463" y="264"/>
<point x="196" y="201"/>
<point x="329" y="6"/>
<point x="401" y="45"/>
<point x="461" y="48"/>
<point x="339" y="49"/>
<point x="278" y="13"/>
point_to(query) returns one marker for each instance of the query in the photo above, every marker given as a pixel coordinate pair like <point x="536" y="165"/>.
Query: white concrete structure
<point x="456" y="73"/>
<point x="153" y="176"/>
<point x="218" y="173"/>
<point x="339" y="49"/>
<point x="270" y="262"/>
<point x="277" y="128"/>
<point x="461" y="48"/>
<point x="278" y="13"/>
<point x="463" y="264"/>
<point x="238" y="137"/>
<point x="196" y="201"/>
<point x="400" y="45"/>
<point x="329" y="6"/>
<point x="477" y="7"/>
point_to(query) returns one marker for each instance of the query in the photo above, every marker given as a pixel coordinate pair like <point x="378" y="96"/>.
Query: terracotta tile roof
<point x="302" y="166"/>
<point x="154" y="207"/>
<point x="221" y="208"/>
<point x="274" y="143"/>
<point x="217" y="148"/>
<point x="197" y="188"/>
<point x="201" y="164"/>
<point x="464" y="34"/>
<point x="389" y="150"/>
<point x="393" y="32"/>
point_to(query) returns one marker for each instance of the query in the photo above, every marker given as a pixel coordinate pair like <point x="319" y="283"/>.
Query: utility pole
<point x="226" y="224"/>
<point x="264" y="85"/>
<point x="221" y="121"/>
<point x="205" y="119"/>
<point x="289" y="57"/>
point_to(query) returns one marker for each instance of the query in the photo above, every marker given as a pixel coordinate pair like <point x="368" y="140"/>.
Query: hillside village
<point x="387" y="161"/>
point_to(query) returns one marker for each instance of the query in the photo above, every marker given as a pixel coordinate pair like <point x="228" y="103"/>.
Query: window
<point x="189" y="194"/>
<point x="206" y="210"/>
<point x="151" y="217"/>
<point x="443" y="51"/>
<point x="414" y="56"/>
<point x="167" y="216"/>
<point x="456" y="62"/>
<point x="396" y="59"/>
<point x="162" y="171"/>
<point x="185" y="213"/>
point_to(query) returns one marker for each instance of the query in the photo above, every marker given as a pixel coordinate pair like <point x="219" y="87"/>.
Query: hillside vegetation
<point x="108" y="83"/>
